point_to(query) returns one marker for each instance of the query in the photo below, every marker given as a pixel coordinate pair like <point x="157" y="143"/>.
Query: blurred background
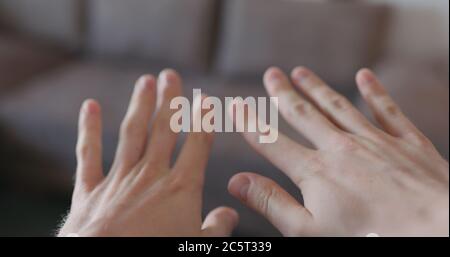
<point x="54" y="54"/>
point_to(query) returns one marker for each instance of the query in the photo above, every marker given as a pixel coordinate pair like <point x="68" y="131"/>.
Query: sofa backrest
<point x="53" y="21"/>
<point x="176" y="33"/>
<point x="334" y="38"/>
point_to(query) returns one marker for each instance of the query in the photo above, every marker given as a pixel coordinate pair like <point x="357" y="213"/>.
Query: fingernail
<point x="239" y="186"/>
<point x="300" y="73"/>
<point x="244" y="190"/>
<point x="169" y="76"/>
<point x="273" y="74"/>
<point x="90" y="107"/>
<point x="367" y="76"/>
<point x="144" y="82"/>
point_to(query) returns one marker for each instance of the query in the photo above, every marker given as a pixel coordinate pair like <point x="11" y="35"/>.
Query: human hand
<point x="360" y="179"/>
<point x="142" y="195"/>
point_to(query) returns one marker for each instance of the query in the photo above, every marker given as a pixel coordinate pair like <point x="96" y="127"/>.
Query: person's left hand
<point x="142" y="195"/>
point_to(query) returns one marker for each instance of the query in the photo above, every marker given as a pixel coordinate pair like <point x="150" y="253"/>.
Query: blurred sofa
<point x="74" y="49"/>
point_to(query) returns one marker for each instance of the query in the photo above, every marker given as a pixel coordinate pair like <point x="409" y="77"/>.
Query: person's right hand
<point x="360" y="179"/>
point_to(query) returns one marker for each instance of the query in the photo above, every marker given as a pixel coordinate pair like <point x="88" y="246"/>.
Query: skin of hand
<point x="143" y="195"/>
<point x="358" y="179"/>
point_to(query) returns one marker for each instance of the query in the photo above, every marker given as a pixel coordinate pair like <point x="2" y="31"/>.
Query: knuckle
<point x="344" y="142"/>
<point x="130" y="128"/>
<point x="425" y="142"/>
<point x="391" y="109"/>
<point x="340" y="103"/>
<point x="314" y="163"/>
<point x="334" y="99"/>
<point x="388" y="106"/>
<point x="301" y="108"/>
<point x="176" y="184"/>
<point x="85" y="183"/>
<point x="263" y="201"/>
<point x="420" y="140"/>
<point x="83" y="150"/>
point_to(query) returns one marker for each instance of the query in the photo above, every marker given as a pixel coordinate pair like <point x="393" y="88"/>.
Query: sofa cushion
<point x="54" y="21"/>
<point x="20" y="60"/>
<point x="172" y="32"/>
<point x="334" y="38"/>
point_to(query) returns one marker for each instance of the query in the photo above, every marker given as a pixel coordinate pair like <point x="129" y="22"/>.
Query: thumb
<point x="220" y="222"/>
<point x="273" y="202"/>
